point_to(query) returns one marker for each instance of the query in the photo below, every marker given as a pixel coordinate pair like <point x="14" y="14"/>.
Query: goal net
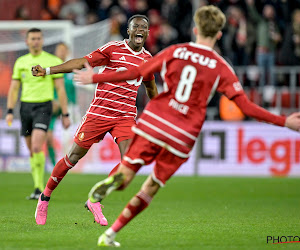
<point x="80" y="39"/>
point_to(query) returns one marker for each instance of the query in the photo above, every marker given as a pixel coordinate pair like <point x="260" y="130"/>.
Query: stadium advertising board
<point x="223" y="148"/>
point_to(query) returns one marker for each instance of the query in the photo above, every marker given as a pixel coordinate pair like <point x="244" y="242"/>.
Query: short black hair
<point x="137" y="16"/>
<point x="33" y="30"/>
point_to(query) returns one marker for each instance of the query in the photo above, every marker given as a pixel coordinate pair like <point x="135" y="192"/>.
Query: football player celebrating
<point x="171" y="122"/>
<point x="112" y="110"/>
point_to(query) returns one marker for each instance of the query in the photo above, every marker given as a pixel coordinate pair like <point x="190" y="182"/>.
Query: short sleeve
<point x="229" y="84"/>
<point x="16" y="71"/>
<point x="100" y="56"/>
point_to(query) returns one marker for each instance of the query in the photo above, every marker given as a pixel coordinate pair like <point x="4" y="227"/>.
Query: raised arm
<point x="66" y="67"/>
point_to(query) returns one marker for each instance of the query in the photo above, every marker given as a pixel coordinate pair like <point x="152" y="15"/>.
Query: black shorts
<point x="35" y="116"/>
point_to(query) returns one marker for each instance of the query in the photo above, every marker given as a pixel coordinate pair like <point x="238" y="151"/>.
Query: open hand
<point x="84" y="77"/>
<point x="293" y="121"/>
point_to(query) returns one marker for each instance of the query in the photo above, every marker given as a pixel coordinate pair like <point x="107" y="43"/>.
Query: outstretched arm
<point x="260" y="114"/>
<point x="66" y="67"/>
<point x="88" y="76"/>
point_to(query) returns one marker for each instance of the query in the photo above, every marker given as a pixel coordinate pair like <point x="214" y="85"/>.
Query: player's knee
<point x="35" y="149"/>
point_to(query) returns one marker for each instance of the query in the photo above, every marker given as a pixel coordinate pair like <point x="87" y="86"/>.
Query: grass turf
<point x="189" y="213"/>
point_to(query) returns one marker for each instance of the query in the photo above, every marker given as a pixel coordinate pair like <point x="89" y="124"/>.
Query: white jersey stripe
<point x="213" y="89"/>
<point x="110" y="100"/>
<point x="107" y="91"/>
<point x="113" y="117"/>
<point x="121" y="111"/>
<point x="134" y="161"/>
<point x="109" y="44"/>
<point x="118" y="86"/>
<point x="171" y="125"/>
<point x="162" y="132"/>
<point x="126" y="54"/>
<point x="159" y="142"/>
<point x="125" y="62"/>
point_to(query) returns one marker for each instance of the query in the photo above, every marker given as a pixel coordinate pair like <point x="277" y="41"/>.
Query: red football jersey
<point x="116" y="100"/>
<point x="191" y="74"/>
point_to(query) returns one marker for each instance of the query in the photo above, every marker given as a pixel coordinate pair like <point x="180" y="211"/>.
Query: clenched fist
<point x="38" y="71"/>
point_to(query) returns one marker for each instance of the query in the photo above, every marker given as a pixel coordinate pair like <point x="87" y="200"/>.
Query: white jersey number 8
<point x="185" y="84"/>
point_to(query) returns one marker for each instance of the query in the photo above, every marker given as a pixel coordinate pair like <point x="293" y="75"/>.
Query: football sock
<point x="39" y="165"/>
<point x="51" y="152"/>
<point x="59" y="171"/>
<point x="114" y="170"/>
<point x="33" y="172"/>
<point x="110" y="233"/>
<point x="122" y="220"/>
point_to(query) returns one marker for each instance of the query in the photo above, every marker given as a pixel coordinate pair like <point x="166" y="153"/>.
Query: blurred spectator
<point x="118" y="24"/>
<point x="235" y="36"/>
<point x="74" y="10"/>
<point x="91" y="18"/>
<point x="22" y="13"/>
<point x="104" y="9"/>
<point x="290" y="51"/>
<point x="126" y="8"/>
<point x="167" y="36"/>
<point x="51" y="9"/>
<point x="179" y="16"/>
<point x="141" y="7"/>
<point x="155" y="22"/>
<point x="268" y="37"/>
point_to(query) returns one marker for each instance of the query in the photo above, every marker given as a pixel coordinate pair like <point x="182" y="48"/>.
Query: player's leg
<point x="35" y="194"/>
<point x="140" y="152"/>
<point x="87" y="133"/>
<point x="166" y="165"/>
<point x="58" y="173"/>
<point x="123" y="145"/>
<point x="135" y="206"/>
<point x="123" y="136"/>
<point x="26" y="130"/>
<point x="38" y="138"/>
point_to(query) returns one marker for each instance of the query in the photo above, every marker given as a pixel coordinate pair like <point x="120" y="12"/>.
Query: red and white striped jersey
<point x="191" y="74"/>
<point x="116" y="100"/>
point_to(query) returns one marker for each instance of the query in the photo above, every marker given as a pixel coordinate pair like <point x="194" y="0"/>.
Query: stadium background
<point x="237" y="146"/>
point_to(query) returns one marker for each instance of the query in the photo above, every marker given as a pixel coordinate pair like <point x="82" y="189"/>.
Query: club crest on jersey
<point x="184" y="54"/>
<point x="81" y="136"/>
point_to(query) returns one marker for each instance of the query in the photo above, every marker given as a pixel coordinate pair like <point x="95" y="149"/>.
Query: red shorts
<point x="143" y="152"/>
<point x="92" y="130"/>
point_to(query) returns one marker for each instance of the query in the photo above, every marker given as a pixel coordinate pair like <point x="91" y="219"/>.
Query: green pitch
<point x="189" y="213"/>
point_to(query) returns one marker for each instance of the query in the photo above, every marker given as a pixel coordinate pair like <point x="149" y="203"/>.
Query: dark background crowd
<point x="265" y="32"/>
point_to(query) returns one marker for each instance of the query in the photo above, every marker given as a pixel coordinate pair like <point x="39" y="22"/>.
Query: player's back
<point x="191" y="74"/>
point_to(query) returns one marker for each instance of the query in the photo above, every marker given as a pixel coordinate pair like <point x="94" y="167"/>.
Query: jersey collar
<point x="132" y="51"/>
<point x="201" y="46"/>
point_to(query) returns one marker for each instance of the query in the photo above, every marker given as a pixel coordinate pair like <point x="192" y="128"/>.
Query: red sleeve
<point x="100" y="56"/>
<point x="145" y="70"/>
<point x="256" y="112"/>
<point x="229" y="84"/>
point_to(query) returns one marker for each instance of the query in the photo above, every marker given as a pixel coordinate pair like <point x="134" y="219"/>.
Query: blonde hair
<point x="209" y="20"/>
